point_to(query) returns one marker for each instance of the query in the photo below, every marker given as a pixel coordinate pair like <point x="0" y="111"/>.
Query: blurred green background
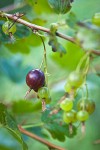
<point x="27" y="52"/>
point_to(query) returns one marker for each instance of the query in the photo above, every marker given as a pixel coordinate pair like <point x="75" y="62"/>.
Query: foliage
<point x="23" y="51"/>
<point x="8" y="122"/>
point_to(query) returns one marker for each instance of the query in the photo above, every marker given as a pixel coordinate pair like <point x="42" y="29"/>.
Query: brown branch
<point x="96" y="52"/>
<point x="37" y="27"/>
<point x="97" y="141"/>
<point x="33" y="136"/>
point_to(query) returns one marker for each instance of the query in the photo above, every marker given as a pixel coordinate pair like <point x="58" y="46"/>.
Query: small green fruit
<point x="82" y="115"/>
<point x="66" y="104"/>
<point x="96" y="19"/>
<point x="8" y="27"/>
<point x="70" y="117"/>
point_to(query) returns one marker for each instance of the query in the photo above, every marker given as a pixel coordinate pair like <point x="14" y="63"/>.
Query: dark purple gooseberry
<point x="35" y="79"/>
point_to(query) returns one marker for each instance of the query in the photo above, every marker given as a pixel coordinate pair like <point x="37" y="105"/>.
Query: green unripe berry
<point x="96" y="19"/>
<point x="67" y="88"/>
<point x="82" y="115"/>
<point x="66" y="104"/>
<point x="43" y="93"/>
<point x="7" y="28"/>
<point x="86" y="104"/>
<point x="75" y="79"/>
<point x="47" y="100"/>
<point x="70" y="117"/>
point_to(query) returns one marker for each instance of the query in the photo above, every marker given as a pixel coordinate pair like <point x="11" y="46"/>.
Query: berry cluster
<point x="85" y="106"/>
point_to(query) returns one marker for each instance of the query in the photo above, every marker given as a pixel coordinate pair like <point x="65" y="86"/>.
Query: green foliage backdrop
<point x="25" y="54"/>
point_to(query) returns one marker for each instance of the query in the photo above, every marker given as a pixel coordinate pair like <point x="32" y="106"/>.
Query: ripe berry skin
<point x="35" y="79"/>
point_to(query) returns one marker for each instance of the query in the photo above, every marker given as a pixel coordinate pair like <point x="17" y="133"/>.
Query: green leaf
<point x="33" y="40"/>
<point x="39" y="21"/>
<point x="23" y="106"/>
<point x="71" y="20"/>
<point x="59" y="6"/>
<point x="21" y="41"/>
<point x="23" y="45"/>
<point x="70" y="59"/>
<point x="54" y="124"/>
<point x="22" y="31"/>
<point x="9" y="123"/>
<point x="56" y="46"/>
<point x="13" y="68"/>
<point x="39" y="6"/>
<point x="59" y="132"/>
<point x="3" y="38"/>
<point x="3" y="147"/>
<point x="19" y="46"/>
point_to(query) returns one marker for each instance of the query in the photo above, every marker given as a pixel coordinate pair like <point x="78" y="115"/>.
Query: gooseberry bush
<point x="73" y="45"/>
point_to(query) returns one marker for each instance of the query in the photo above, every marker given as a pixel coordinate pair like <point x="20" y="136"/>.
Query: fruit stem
<point x="86" y="67"/>
<point x="41" y="63"/>
<point x="83" y="127"/>
<point x="71" y="95"/>
<point x="70" y="128"/>
<point x="44" y="60"/>
<point x="81" y="61"/>
<point x="27" y="93"/>
<point x="33" y="125"/>
<point x="87" y="93"/>
<point x="43" y="105"/>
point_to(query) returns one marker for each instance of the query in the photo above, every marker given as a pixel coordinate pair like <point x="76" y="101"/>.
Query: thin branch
<point x="56" y="110"/>
<point x="33" y="136"/>
<point x="96" y="52"/>
<point x="97" y="141"/>
<point x="36" y="27"/>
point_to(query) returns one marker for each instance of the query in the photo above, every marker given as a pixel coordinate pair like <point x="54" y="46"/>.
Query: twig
<point x="63" y="97"/>
<point x="56" y="110"/>
<point x="50" y="145"/>
<point x="36" y="27"/>
<point x="97" y="141"/>
<point x="96" y="52"/>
